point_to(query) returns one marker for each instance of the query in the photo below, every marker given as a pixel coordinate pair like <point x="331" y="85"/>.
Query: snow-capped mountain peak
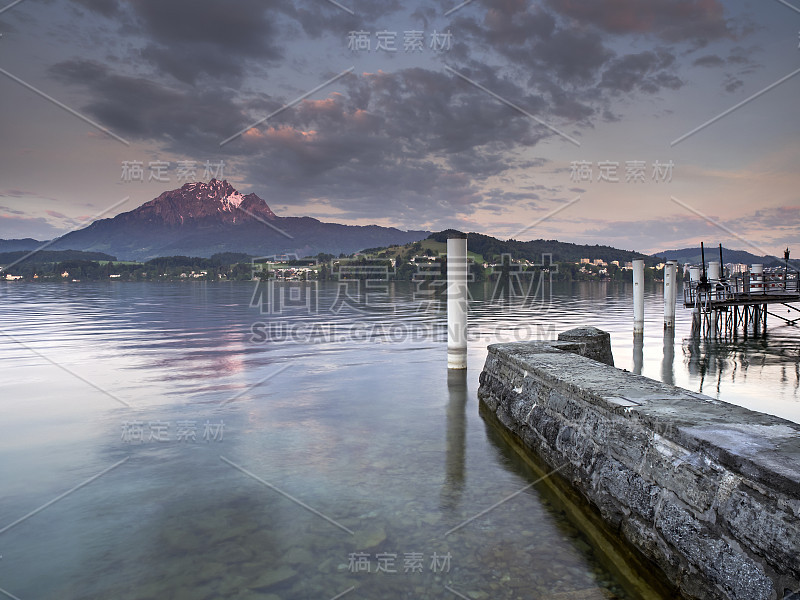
<point x="208" y="202"/>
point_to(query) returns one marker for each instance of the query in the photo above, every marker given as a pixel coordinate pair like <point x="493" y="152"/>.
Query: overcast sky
<point x="506" y="117"/>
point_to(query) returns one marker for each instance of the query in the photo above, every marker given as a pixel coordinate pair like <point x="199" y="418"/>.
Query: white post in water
<point x="756" y="278"/>
<point x="457" y="271"/>
<point x="694" y="278"/>
<point x="670" y="293"/>
<point x="713" y="271"/>
<point x="638" y="296"/>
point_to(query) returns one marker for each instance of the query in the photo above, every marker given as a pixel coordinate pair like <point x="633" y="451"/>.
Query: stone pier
<point x="706" y="491"/>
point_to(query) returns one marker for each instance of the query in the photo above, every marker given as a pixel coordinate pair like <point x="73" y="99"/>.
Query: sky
<point x="642" y="124"/>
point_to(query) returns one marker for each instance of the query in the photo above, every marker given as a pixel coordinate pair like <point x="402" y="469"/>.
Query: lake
<point x="171" y="440"/>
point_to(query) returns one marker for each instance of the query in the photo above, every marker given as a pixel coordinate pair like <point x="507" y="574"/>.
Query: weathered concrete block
<point x="591" y="343"/>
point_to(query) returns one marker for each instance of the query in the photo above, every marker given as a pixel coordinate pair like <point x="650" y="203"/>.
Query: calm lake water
<point x="198" y="447"/>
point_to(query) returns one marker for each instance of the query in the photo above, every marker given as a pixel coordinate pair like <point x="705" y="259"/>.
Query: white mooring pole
<point x="638" y="296"/>
<point x="670" y="293"/>
<point x="457" y="272"/>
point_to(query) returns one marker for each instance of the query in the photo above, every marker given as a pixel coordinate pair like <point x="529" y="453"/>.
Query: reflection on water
<point x="668" y="362"/>
<point x="456" y="439"/>
<point x="356" y="418"/>
<point x="718" y="362"/>
<point x="638" y="352"/>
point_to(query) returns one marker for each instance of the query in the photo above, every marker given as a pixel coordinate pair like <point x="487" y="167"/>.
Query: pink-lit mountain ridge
<point x="201" y="219"/>
<point x="215" y="201"/>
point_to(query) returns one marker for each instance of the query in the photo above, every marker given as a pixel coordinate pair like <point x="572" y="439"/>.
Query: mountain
<point x="490" y="247"/>
<point x="201" y="219"/>
<point x="692" y="256"/>
<point x="47" y="256"/>
<point x="25" y="244"/>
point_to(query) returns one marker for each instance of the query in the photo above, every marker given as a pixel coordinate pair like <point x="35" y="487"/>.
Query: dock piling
<point x="670" y="293"/>
<point x="638" y="296"/>
<point x="457" y="302"/>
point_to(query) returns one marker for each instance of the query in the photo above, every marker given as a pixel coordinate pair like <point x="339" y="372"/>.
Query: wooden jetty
<point x="722" y="305"/>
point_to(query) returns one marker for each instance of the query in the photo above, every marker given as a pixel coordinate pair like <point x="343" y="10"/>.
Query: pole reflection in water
<point x="706" y="357"/>
<point x="668" y="362"/>
<point x="638" y="352"/>
<point x="693" y="347"/>
<point x="456" y="439"/>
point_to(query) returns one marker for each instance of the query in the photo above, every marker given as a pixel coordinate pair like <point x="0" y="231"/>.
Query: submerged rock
<point x="370" y="538"/>
<point x="273" y="577"/>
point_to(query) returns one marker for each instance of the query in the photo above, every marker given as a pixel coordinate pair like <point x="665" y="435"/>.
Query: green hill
<point x="51" y="256"/>
<point x="492" y="248"/>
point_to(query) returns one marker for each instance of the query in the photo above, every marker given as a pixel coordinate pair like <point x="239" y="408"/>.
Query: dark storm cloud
<point x="507" y="24"/>
<point x="573" y="68"/>
<point x="739" y="58"/>
<point x="480" y="166"/>
<point x="732" y="84"/>
<point x="432" y="111"/>
<point x="424" y="15"/>
<point x="695" y="21"/>
<point x="574" y="55"/>
<point x="186" y="62"/>
<point x="644" y="71"/>
<point x="414" y="144"/>
<point x="710" y="60"/>
<point x="190" y="39"/>
<point x="409" y="144"/>
<point x="574" y="105"/>
<point x="144" y="109"/>
<point x="401" y="144"/>
<point x="106" y="8"/>
<point x="530" y="39"/>
<point x="241" y="28"/>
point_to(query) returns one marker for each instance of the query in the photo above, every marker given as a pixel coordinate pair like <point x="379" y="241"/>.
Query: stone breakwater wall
<point x="707" y="491"/>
